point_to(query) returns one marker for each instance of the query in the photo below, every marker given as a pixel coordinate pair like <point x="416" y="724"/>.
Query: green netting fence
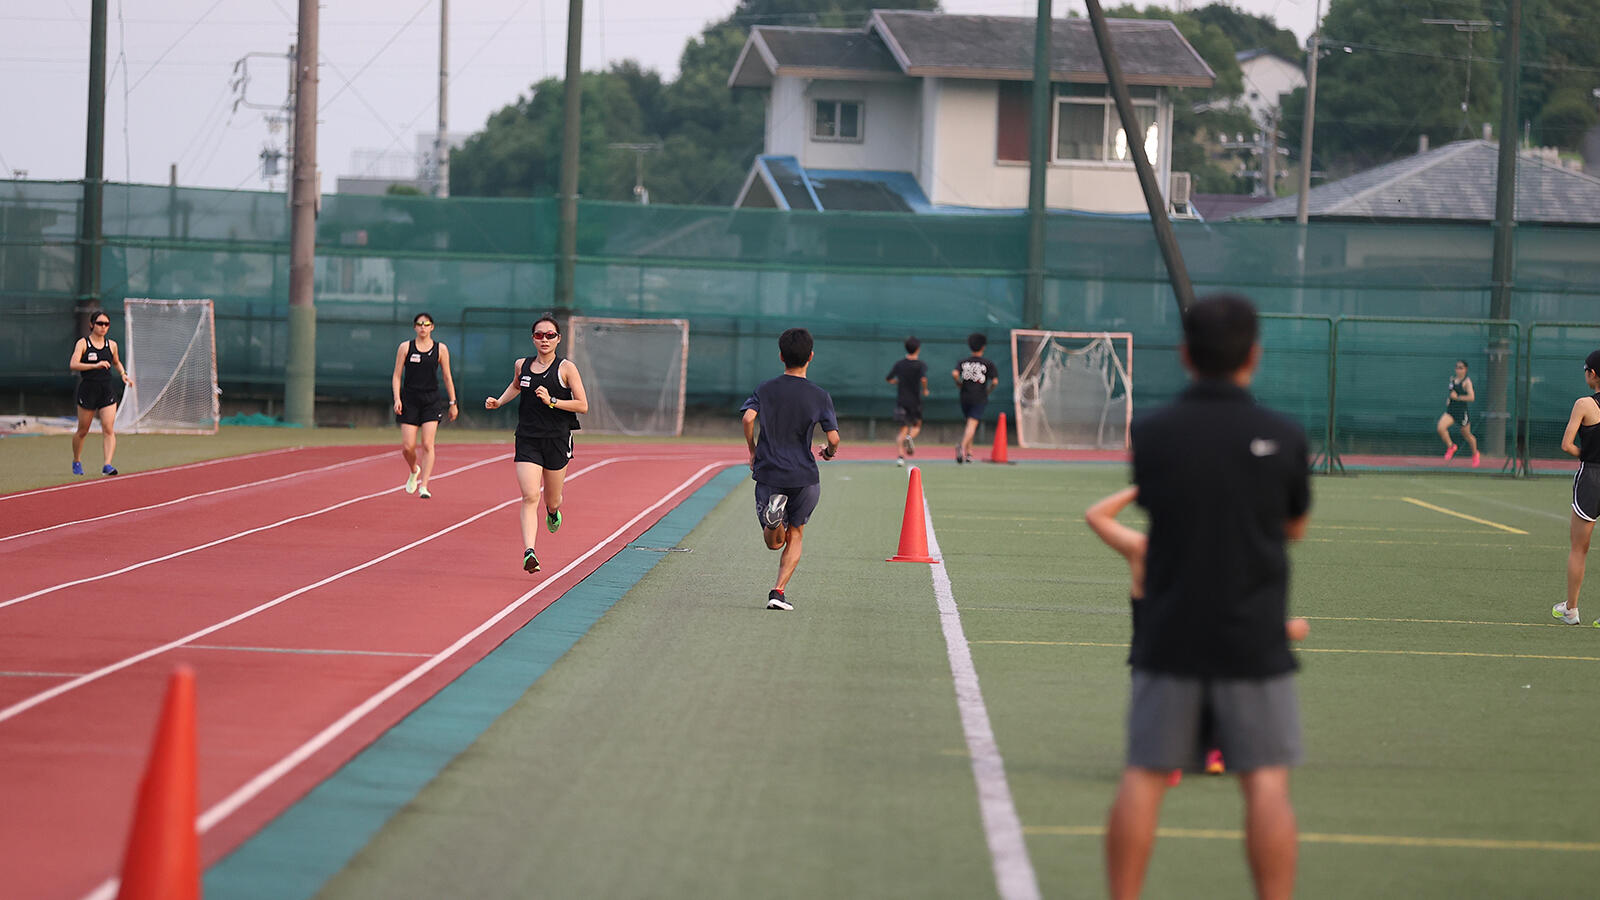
<point x="1368" y="391"/>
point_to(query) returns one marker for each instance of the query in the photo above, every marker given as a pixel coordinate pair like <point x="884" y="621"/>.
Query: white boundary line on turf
<point x="236" y="487"/>
<point x="253" y="788"/>
<point x="145" y="474"/>
<point x="232" y="537"/>
<point x="1002" y="827"/>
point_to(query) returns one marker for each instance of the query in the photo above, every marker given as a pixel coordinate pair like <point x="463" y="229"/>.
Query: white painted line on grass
<point x="184" y="499"/>
<point x="1002" y="827"/>
<point x="132" y="475"/>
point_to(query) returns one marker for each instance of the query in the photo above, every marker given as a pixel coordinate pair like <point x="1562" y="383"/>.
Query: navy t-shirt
<point x="788" y="407"/>
<point x="908" y="374"/>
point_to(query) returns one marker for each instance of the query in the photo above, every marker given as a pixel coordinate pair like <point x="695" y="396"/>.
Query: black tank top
<point x="422" y="370"/>
<point x="1589" y="438"/>
<point x="1455" y="388"/>
<point x="535" y="418"/>
<point x="93" y="355"/>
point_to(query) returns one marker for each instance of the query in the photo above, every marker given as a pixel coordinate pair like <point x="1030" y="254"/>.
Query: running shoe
<point x="77" y="467"/>
<point x="960" y="457"/>
<point x="775" y="600"/>
<point x="411" y="480"/>
<point x="108" y="469"/>
<point x="772" y="516"/>
<point x="530" y="563"/>
<point x="1174" y="778"/>
<point x="1450" y="452"/>
<point x="552" y="521"/>
<point x="1476" y="458"/>
<point x="1214" y="765"/>
<point x="911" y="448"/>
<point x="900" y="460"/>
<point x="1559" y="611"/>
<point x="424" y="495"/>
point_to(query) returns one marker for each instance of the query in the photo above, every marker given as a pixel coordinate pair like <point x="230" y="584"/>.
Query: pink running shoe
<point x="1476" y="459"/>
<point x="1451" y="452"/>
<point x="1214" y="764"/>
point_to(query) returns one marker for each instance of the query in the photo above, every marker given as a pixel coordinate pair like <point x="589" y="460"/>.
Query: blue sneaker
<point x="108" y="469"/>
<point x="77" y="467"/>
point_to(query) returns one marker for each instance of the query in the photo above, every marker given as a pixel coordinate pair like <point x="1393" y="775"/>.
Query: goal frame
<point x="129" y="324"/>
<point x="1115" y="336"/>
<point x="683" y="359"/>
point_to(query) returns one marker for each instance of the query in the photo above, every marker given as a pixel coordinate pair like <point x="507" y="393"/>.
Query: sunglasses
<point x="546" y="335"/>
<point x="422" y="324"/>
<point x="102" y="323"/>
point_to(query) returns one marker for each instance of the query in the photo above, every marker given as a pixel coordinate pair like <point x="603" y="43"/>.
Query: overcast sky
<point x="169" y="98"/>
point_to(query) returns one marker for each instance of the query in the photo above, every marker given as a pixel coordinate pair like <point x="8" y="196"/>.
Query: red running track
<point x="316" y="601"/>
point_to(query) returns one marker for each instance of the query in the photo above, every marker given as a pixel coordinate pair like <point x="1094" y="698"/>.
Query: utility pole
<point x="1038" y="167"/>
<point x="640" y="192"/>
<point x="1306" y="127"/>
<point x="1470" y="27"/>
<point x="300" y="375"/>
<point x="1177" y="271"/>
<point x="94" y="159"/>
<point x="1505" y="215"/>
<point x="572" y="103"/>
<point x="441" y="143"/>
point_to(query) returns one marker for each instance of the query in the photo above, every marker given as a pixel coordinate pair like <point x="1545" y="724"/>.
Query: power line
<point x="349" y="82"/>
<point x="173" y="45"/>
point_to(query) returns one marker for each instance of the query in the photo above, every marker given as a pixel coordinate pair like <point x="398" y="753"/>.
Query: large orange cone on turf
<point x="163" y="858"/>
<point x="913" y="529"/>
<point x="998" y="455"/>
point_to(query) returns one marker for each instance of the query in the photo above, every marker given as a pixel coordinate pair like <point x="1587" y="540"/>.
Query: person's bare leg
<point x="408" y="446"/>
<point x="914" y="430"/>
<point x="1466" y="433"/>
<point x="900" y="440"/>
<point x="1443" y="428"/>
<point x="791" y="556"/>
<point x="966" y="437"/>
<point x="85" y="418"/>
<point x="1131" y="830"/>
<point x="1577" y="558"/>
<point x="775" y="538"/>
<point x="529" y="476"/>
<point x="555" y="482"/>
<point x="108" y="431"/>
<point x="424" y="452"/>
<point x="1271" y="838"/>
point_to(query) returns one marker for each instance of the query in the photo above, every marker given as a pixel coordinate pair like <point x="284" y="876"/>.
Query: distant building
<point x="378" y="170"/>
<point x="1267" y="78"/>
<point x="923" y="112"/>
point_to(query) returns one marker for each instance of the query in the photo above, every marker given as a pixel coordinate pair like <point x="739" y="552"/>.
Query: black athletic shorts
<point x="1586" y="492"/>
<point x="974" y="410"/>
<point x="99" y="394"/>
<point x="802" y="502"/>
<point x="908" y="415"/>
<point x="421" y="407"/>
<point x="549" y="452"/>
<point x="1460" y="412"/>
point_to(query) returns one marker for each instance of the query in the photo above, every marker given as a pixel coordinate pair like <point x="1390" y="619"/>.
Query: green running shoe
<point x="530" y="563"/>
<point x="552" y="521"/>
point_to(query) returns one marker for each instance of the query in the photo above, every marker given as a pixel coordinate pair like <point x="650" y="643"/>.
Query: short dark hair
<point x="422" y="315"/>
<point x="1463" y="364"/>
<point x="795" y="346"/>
<point x="1592" y="363"/>
<point x="912" y="344"/>
<point x="976" y="341"/>
<point x="546" y="317"/>
<point x="1219" y="330"/>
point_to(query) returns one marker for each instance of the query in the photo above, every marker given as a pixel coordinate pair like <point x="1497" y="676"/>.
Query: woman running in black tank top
<point x="1456" y="412"/>
<point x="1582" y="439"/>
<point x="418" y="404"/>
<point x="93" y="358"/>
<point x="552" y="396"/>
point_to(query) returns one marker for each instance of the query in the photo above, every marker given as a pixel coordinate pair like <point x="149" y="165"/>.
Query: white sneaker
<point x="411" y="480"/>
<point x="1559" y="611"/>
<point x="900" y="461"/>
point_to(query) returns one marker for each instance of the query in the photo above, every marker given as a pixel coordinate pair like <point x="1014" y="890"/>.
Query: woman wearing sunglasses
<point x="93" y="357"/>
<point x="552" y="396"/>
<point x="418" y="407"/>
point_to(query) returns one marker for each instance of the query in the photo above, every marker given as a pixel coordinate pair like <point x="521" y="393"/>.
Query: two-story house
<point x="929" y="112"/>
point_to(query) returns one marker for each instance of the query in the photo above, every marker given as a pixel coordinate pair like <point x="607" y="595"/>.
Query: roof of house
<point x="899" y="43"/>
<point x="794" y="187"/>
<point x="1455" y="182"/>
<point x="1244" y="56"/>
<point x="1213" y="207"/>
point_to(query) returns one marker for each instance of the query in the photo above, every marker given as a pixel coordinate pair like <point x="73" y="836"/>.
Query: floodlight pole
<point x="94" y="158"/>
<point x="300" y="371"/>
<point x="441" y="143"/>
<point x="1177" y="272"/>
<point x="567" y="265"/>
<point x="1505" y="215"/>
<point x="1306" y="128"/>
<point x="1038" y="168"/>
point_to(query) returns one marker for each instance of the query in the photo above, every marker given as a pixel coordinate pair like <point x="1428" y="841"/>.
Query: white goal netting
<point x="634" y="372"/>
<point x="170" y="350"/>
<point x="1072" y="389"/>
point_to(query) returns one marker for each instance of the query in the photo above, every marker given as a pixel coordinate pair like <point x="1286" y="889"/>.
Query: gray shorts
<point x="1174" y="720"/>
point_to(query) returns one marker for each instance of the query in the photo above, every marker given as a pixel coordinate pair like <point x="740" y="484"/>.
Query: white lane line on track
<point x="23" y="706"/>
<point x="132" y="475"/>
<point x="237" y="487"/>
<point x="232" y="537"/>
<point x="310" y="651"/>
<point x="1002" y="827"/>
<point x="253" y="788"/>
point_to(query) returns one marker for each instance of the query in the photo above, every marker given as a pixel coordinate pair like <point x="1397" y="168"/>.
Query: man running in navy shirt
<point x="787" y="482"/>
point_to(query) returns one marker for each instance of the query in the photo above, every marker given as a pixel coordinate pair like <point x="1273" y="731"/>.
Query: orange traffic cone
<point x="163" y="858"/>
<point x="998" y="455"/>
<point x="913" y="533"/>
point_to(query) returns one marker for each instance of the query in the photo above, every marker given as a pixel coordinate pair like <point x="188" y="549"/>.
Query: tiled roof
<point x="1456" y="182"/>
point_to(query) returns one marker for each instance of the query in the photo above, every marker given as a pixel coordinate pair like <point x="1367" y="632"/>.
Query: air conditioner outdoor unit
<point x="1178" y="191"/>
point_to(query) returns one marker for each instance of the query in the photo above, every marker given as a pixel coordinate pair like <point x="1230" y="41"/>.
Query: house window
<point x="837" y="120"/>
<point x="1089" y="128"/>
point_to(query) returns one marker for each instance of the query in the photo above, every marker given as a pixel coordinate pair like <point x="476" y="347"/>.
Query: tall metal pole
<point x="1503" y="273"/>
<point x="1177" y="272"/>
<point x="567" y="266"/>
<point x="94" y="161"/>
<point x="441" y="143"/>
<point x="300" y="376"/>
<point x="1308" y="125"/>
<point x="1038" y="168"/>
